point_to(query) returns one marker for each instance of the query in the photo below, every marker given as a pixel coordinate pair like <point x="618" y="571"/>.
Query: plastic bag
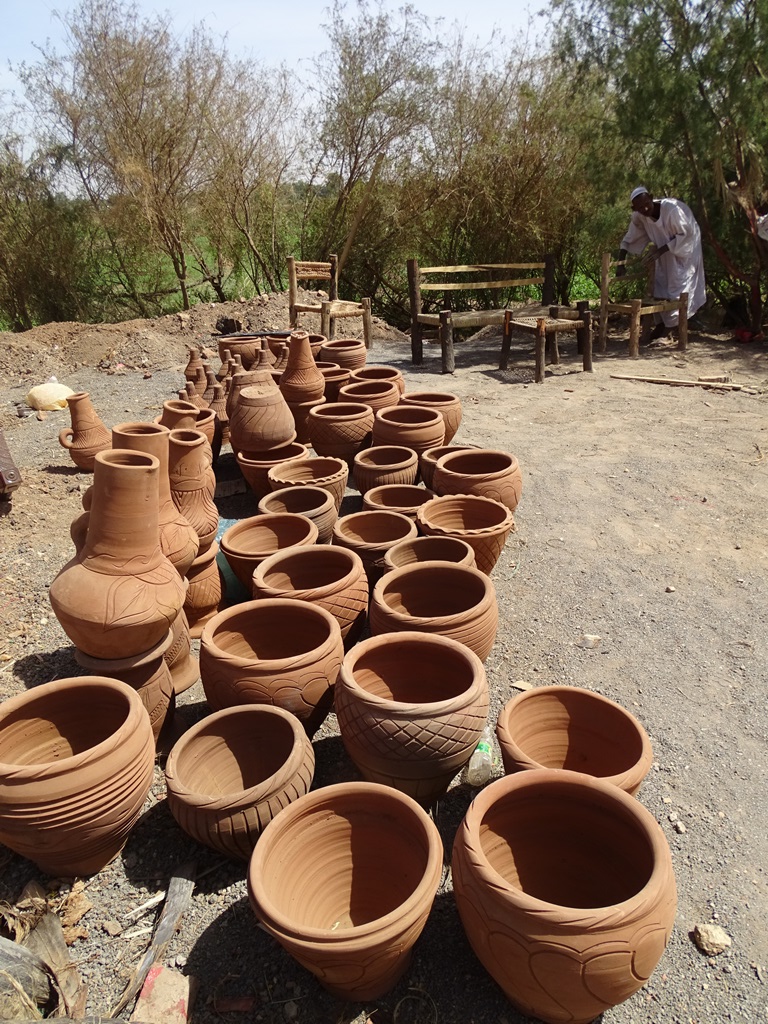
<point x="49" y="396"/>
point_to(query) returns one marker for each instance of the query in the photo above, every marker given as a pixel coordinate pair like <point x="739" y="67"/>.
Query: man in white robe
<point x="669" y="225"/>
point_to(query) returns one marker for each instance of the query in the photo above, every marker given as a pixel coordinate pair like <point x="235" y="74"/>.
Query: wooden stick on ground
<point x="677" y="382"/>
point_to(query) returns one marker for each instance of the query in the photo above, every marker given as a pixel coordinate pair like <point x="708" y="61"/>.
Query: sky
<point x="266" y="31"/>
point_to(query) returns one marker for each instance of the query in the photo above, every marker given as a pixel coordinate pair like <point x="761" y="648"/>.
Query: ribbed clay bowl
<point x="371" y="534"/>
<point x="430" y="549"/>
<point x="448" y="405"/>
<point x="413" y="426"/>
<point x="483" y="471"/>
<point x="376" y="394"/>
<point x="247" y="346"/>
<point x="76" y="763"/>
<point x="316" y="503"/>
<point x="428" y="460"/>
<point x="573" y="728"/>
<point x="561" y="869"/>
<point x="340" y="428"/>
<point x="347" y="352"/>
<point x="483" y="523"/>
<point x="344" y="879"/>
<point x="402" y="498"/>
<point x="436" y="597"/>
<point x="252" y="540"/>
<point x="328" y="472"/>
<point x="230" y="774"/>
<point x="411" y="709"/>
<point x="255" y="465"/>
<point x="385" y="464"/>
<point x="379" y="372"/>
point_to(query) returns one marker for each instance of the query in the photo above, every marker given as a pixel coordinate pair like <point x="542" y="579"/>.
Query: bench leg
<point x="325" y="319"/>
<point x="446" y="341"/>
<point x="506" y="342"/>
<point x="541" y="342"/>
<point x="417" y="347"/>
<point x="552" y="348"/>
<point x="585" y="334"/>
<point x="634" y="329"/>
<point x="682" y="323"/>
<point x="367" y="322"/>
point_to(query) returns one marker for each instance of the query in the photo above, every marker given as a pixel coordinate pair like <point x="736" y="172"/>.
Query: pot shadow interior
<point x="310" y="569"/>
<point x="374" y="528"/>
<point x="413" y="672"/>
<point x="478" y="463"/>
<point x="271" y="633"/>
<point x="434" y="591"/>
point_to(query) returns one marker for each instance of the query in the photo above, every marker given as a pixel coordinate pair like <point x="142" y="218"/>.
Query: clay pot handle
<point x="66" y="435"/>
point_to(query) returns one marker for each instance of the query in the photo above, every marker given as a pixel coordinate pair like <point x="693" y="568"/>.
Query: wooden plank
<point x="482" y="266"/>
<point x="476" y="318"/>
<point x="678" y="382"/>
<point x="466" y="286"/>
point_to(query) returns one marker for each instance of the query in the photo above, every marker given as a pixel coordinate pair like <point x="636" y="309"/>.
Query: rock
<point x="112" y="927"/>
<point x="711" y="938"/>
<point x="520" y="684"/>
<point x="291" y="1010"/>
<point x="669" y="590"/>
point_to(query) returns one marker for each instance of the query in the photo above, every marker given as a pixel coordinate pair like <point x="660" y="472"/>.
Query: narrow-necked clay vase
<point x="448" y="405"/>
<point x="576" y="729"/>
<point x="192" y="395"/>
<point x="192" y="483"/>
<point x="120" y="595"/>
<point x="332" y="577"/>
<point x="340" y="428"/>
<point x="353" y="925"/>
<point x="384" y="464"/>
<point x="76" y="763"/>
<point x="565" y="888"/>
<point x="377" y="394"/>
<point x="229" y="775"/>
<point x="483" y="523"/>
<point x="451" y="600"/>
<point x="205" y="590"/>
<point x="347" y="352"/>
<point x="327" y="471"/>
<point x="371" y="535"/>
<point x="87" y="435"/>
<point x="411" y="709"/>
<point x="255" y="465"/>
<point x="316" y="503"/>
<point x="379" y="372"/>
<point x="193" y="364"/>
<point x="178" y="415"/>
<point x="260" y="419"/>
<point x="301" y="381"/>
<point x="491" y="474"/>
<point x="410" y="426"/>
<point x="249" y="541"/>
<point x="430" y="549"/>
<point x="219" y="407"/>
<point x="402" y="498"/>
<point x="273" y="651"/>
<point x="428" y="460"/>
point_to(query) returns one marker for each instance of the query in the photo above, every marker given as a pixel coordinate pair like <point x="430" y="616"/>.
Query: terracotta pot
<point x="193" y="365"/>
<point x="199" y="382"/>
<point x="316" y="342"/>
<point x="428" y="460"/>
<point x="388" y="373"/>
<point x="430" y="549"/>
<point x="402" y="498"/>
<point x="206" y="586"/>
<point x="120" y="594"/>
<point x="179" y="541"/>
<point x="335" y="377"/>
<point x="191" y="395"/>
<point x="327" y="472"/>
<point x="255" y="465"/>
<point x="301" y="381"/>
<point x="178" y="415"/>
<point x="183" y="666"/>
<point x="230" y="774"/>
<point x="247" y="346"/>
<point x="242" y="379"/>
<point x="277" y="341"/>
<point x="354" y="928"/>
<point x="193" y="484"/>
<point x="219" y="407"/>
<point x="491" y="474"/>
<point x="225" y="369"/>
<point x="371" y="535"/>
<point x="331" y="577"/>
<point x="87" y="435"/>
<point x="340" y="428"/>
<point x="260" y="419"/>
<point x="483" y="523"/>
<point x="384" y="464"/>
<point x="206" y="423"/>
<point x="301" y="412"/>
<point x="210" y="383"/>
<point x="377" y="394"/>
<point x="76" y="763"/>
<point x="411" y="426"/>
<point x="316" y="503"/>
<point x="347" y="352"/>
<point x="250" y="541"/>
<point x="565" y="888"/>
<point x="576" y="729"/>
<point x="275" y="651"/>
<point x="411" y="709"/>
<point x="437" y="597"/>
<point x="449" y="406"/>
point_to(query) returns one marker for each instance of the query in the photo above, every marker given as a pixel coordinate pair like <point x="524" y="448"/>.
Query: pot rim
<point x="442" y="463"/>
<point x="264" y="519"/>
<point x="478" y="531"/>
<point x="243" y="456"/>
<point x="381" y="388"/>
<point x="341" y="537"/>
<point x="362" y="456"/>
<point x="316" y="511"/>
<point x="468" y="549"/>
<point x="405" y="416"/>
<point x="317" y="552"/>
<point x="249" y="608"/>
<point x="339" y="469"/>
<point x="430" y="398"/>
<point x="342" y="411"/>
<point x="488" y="598"/>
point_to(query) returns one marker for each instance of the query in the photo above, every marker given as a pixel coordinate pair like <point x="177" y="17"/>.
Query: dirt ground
<point x="638" y="569"/>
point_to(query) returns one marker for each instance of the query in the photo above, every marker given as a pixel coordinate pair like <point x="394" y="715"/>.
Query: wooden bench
<point x="546" y="330"/>
<point x="639" y="311"/>
<point x="468" y="279"/>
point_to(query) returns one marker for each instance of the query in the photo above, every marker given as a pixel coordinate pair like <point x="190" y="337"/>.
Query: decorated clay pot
<point x="230" y="774"/>
<point x="119" y="595"/>
<point x="246" y="346"/>
<point x="371" y="535"/>
<point x="191" y="395"/>
<point x="219" y="407"/>
<point x="411" y="709"/>
<point x="482" y="471"/>
<point x="430" y="549"/>
<point x="402" y="498"/>
<point x="384" y="464"/>
<point x="301" y="412"/>
<point x="193" y="484"/>
<point x="178" y="415"/>
<point x="448" y="405"/>
<point x="347" y="352"/>
<point x="316" y="503"/>
<point x="301" y="381"/>
<point x="260" y="419"/>
<point x="76" y="764"/>
<point x="182" y="664"/>
<point x="565" y="888"/>
<point x="316" y="342"/>
<point x="193" y="364"/>
<point x="379" y="373"/>
<point x="576" y="729"/>
<point x="273" y="651"/>
<point x="437" y="597"/>
<point x="255" y="465"/>
<point x="242" y="379"/>
<point x="87" y="435"/>
<point x="377" y="394"/>
<point x="332" y="577"/>
<point x="335" y="377"/>
<point x="483" y="523"/>
<point x="328" y="472"/>
<point x="250" y="541"/>
<point x="353" y="925"/>
<point x="340" y="428"/>
<point x="428" y="460"/>
<point x="206" y="586"/>
<point x="409" y="426"/>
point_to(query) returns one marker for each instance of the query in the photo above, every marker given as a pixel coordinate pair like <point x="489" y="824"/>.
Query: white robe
<point x="682" y="268"/>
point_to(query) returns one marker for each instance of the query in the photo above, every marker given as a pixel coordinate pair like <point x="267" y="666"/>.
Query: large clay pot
<point x="274" y="651"/>
<point x="193" y="483"/>
<point x="576" y="729"/>
<point x="120" y="595"/>
<point x="301" y="412"/>
<point x="384" y="464"/>
<point x="255" y="465"/>
<point x="249" y="541"/>
<point x="204" y="594"/>
<point x="340" y="428"/>
<point x="491" y="474"/>
<point x="335" y="377"/>
<point x="301" y="381"/>
<point x="260" y="419"/>
<point x="371" y="535"/>
<point x="412" y="426"/>
<point x="178" y="415"/>
<point x="402" y="498"/>
<point x="246" y="346"/>
<point x="76" y="764"/>
<point x="483" y="523"/>
<point x="347" y="352"/>
<point x="428" y="460"/>
<point x="230" y="774"/>
<point x="377" y="394"/>
<point x="437" y="597"/>
<point x="328" y="472"/>
<point x="373" y="372"/>
<point x="430" y="549"/>
<point x="344" y="879"/>
<point x="242" y="379"/>
<point x="87" y="435"/>
<point x="449" y="406"/>
<point x="565" y="888"/>
<point x="411" y="709"/>
<point x="332" y="577"/>
<point x="316" y="503"/>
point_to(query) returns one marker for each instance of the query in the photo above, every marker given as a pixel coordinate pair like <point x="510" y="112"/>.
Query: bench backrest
<point x="479" y="277"/>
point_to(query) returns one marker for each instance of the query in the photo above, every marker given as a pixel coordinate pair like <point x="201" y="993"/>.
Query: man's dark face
<point x="643" y="204"/>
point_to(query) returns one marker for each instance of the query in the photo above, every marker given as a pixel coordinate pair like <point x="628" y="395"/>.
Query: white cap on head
<point x="639" y="191"/>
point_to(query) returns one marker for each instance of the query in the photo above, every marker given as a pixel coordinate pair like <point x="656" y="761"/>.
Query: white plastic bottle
<point x="481" y="763"/>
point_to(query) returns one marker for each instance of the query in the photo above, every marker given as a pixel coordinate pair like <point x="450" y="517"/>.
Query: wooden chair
<point x="546" y="329"/>
<point x="640" y="311"/>
<point x="333" y="308"/>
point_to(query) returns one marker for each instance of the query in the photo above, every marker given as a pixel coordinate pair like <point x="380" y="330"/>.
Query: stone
<point x="711" y="938"/>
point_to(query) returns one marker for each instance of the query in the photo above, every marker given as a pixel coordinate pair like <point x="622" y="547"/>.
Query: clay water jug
<point x="87" y="435"/>
<point x="193" y="483"/>
<point x="301" y="381"/>
<point x="178" y="414"/>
